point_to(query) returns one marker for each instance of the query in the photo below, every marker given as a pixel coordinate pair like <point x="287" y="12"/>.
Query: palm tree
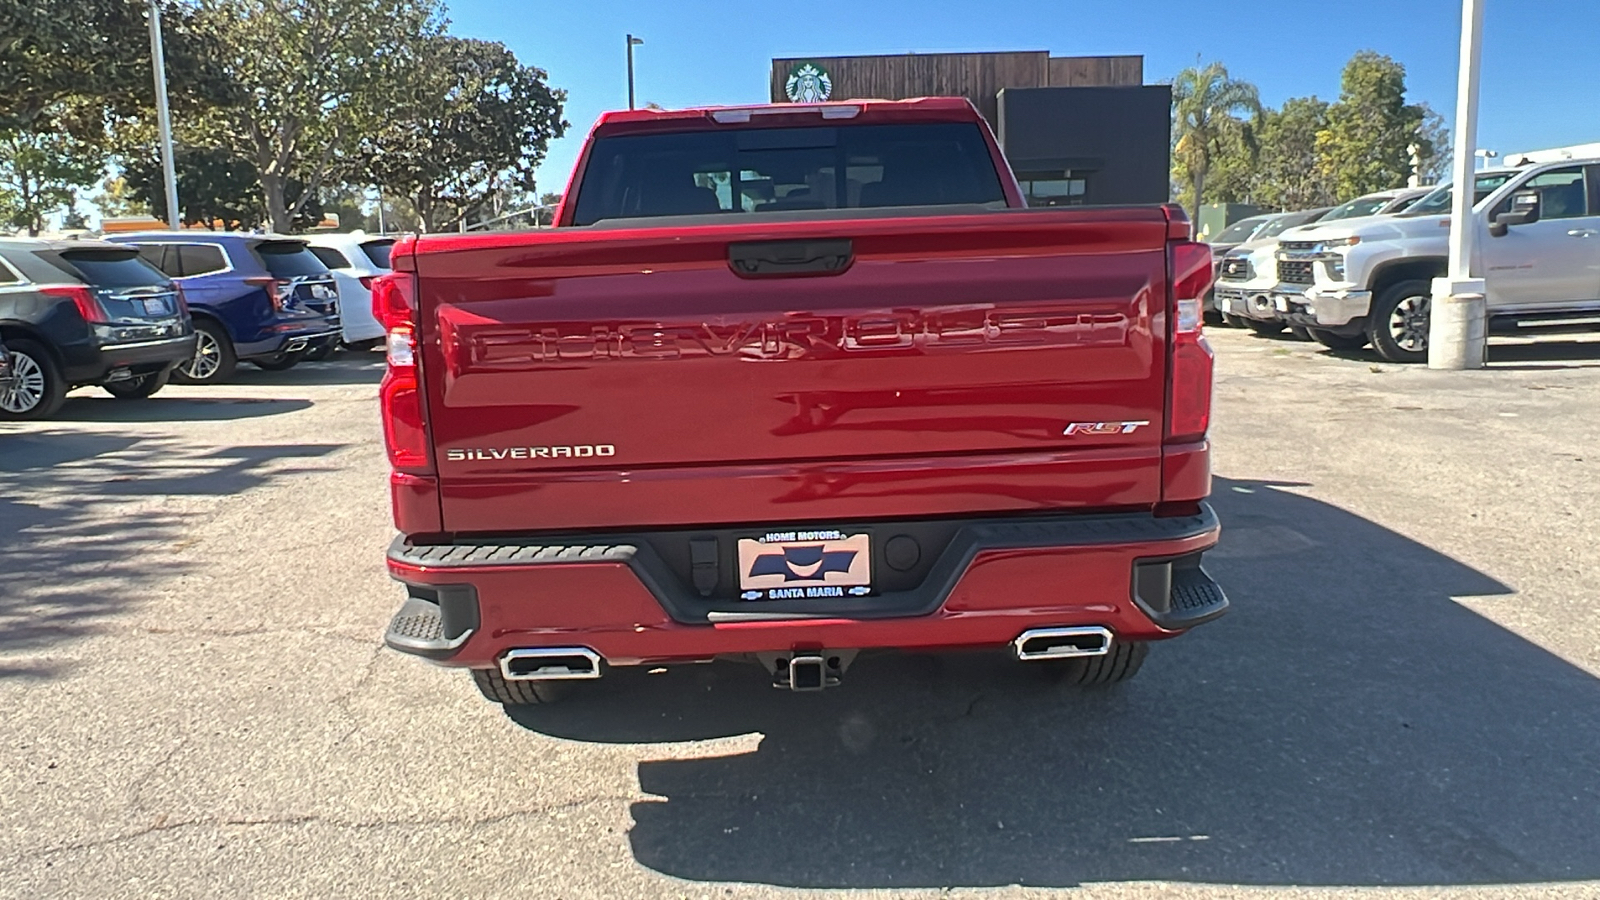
<point x="1205" y="107"/>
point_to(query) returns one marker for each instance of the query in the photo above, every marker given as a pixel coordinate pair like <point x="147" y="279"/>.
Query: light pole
<point x="158" y="60"/>
<point x="632" y="42"/>
<point x="1457" y="326"/>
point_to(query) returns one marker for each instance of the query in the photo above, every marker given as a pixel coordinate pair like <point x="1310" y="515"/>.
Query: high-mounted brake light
<point x="405" y="428"/>
<point x="739" y="115"/>
<point x="83" y="298"/>
<point x="1189" y="400"/>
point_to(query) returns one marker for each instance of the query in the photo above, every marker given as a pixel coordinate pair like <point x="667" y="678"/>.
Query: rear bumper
<point x="1137" y="575"/>
<point x="141" y="357"/>
<point x="296" y="336"/>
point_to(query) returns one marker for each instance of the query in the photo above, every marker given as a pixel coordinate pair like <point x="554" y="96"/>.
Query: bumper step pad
<point x="1195" y="599"/>
<point x="419" y="628"/>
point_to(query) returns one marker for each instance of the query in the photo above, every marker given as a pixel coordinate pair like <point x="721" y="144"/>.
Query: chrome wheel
<point x="207" y="356"/>
<point x="1408" y="324"/>
<point x="27" y="390"/>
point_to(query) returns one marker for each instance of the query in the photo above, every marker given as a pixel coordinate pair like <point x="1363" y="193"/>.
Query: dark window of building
<point x="1054" y="189"/>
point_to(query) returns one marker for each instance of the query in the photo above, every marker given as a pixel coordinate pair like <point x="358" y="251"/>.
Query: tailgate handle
<point x="770" y="259"/>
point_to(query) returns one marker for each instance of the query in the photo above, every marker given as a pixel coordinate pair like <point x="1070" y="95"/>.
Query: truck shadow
<point x="1349" y="723"/>
<point x="81" y="542"/>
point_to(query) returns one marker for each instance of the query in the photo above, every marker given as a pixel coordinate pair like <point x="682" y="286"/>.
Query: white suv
<point x="355" y="260"/>
<point x="1538" y="249"/>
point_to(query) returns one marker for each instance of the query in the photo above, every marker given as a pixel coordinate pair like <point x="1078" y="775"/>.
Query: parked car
<point x="1382" y="203"/>
<point x="862" y="398"/>
<point x="355" y="260"/>
<point x="1238" y="233"/>
<point x="1370" y="280"/>
<point x="264" y="299"/>
<point x="1247" y="276"/>
<point x="78" y="313"/>
<point x="7" y="374"/>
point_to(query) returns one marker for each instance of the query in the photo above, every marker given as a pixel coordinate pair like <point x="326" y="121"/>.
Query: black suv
<point x="86" y="312"/>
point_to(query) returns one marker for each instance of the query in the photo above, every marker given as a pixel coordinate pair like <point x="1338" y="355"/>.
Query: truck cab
<point x="1537" y="249"/>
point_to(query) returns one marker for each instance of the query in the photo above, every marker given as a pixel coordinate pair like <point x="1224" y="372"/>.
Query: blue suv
<point x="264" y="299"/>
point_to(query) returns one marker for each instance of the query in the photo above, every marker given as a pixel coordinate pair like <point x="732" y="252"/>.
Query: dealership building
<point x="1077" y="130"/>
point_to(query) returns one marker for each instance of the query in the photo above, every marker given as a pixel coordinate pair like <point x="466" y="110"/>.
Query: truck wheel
<point x="1263" y="327"/>
<point x="1121" y="664"/>
<point x="138" y="387"/>
<point x="1300" y="332"/>
<point x="213" y="360"/>
<point x="1398" y="323"/>
<point x="1338" y="341"/>
<point x="497" y="689"/>
<point x="38" y="390"/>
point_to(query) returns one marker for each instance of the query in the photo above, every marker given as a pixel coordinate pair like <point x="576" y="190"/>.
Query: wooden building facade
<point x="977" y="76"/>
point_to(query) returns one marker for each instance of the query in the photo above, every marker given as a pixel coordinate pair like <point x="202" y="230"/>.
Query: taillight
<point x="83" y="298"/>
<point x="183" y="301"/>
<point x="405" y="429"/>
<point x="1189" y="400"/>
<point x="366" y="281"/>
<point x="280" y="292"/>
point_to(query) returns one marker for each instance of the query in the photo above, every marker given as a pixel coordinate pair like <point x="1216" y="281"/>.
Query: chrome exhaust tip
<point x="1062" y="643"/>
<point x="550" y="664"/>
<point x="295" y="345"/>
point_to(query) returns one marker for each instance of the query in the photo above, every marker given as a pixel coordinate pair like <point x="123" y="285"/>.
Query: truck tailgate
<point x="627" y="377"/>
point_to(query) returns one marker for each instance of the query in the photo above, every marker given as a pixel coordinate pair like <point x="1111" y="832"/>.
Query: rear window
<point x="779" y="169"/>
<point x="378" y="252"/>
<point x="289" y="259"/>
<point x="107" y="268"/>
<point x="330" y="257"/>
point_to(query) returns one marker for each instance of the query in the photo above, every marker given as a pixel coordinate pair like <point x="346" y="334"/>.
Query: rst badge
<point x="800" y="565"/>
<point x="1095" y="428"/>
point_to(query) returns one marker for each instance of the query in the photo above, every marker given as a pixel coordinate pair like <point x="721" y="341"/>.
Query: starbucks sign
<point x="808" y="83"/>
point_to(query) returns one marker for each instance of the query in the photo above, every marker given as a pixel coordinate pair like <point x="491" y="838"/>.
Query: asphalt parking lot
<point x="1403" y="701"/>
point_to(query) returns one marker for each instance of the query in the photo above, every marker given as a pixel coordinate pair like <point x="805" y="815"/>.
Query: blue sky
<point x="1539" y="73"/>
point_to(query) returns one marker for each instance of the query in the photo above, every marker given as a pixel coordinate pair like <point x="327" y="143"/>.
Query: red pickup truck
<point x="788" y="383"/>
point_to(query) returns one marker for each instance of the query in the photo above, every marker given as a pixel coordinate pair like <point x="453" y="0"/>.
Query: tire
<point x="1338" y="341"/>
<point x="214" y="360"/>
<point x="322" y="352"/>
<point x="1398" y="323"/>
<point x="140" y="387"/>
<point x="1300" y="333"/>
<point x="496" y="689"/>
<point x="1117" y="666"/>
<point x="279" y="362"/>
<point x="38" y="390"/>
<point x="1263" y="327"/>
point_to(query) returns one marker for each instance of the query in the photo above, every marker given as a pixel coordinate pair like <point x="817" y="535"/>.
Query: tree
<point x="1434" y="147"/>
<point x="71" y="66"/>
<point x="215" y="187"/>
<point x="471" y="128"/>
<point x="39" y="174"/>
<point x="1366" y="145"/>
<point x="1206" y="104"/>
<point x="116" y="200"/>
<point x="317" y="75"/>
<point x="1288" y="175"/>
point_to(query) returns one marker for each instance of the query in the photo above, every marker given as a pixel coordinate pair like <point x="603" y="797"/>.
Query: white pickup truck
<point x="1370" y="281"/>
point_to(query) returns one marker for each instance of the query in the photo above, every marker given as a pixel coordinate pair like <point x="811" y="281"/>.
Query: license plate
<point x="154" y="306"/>
<point x="804" y="565"/>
